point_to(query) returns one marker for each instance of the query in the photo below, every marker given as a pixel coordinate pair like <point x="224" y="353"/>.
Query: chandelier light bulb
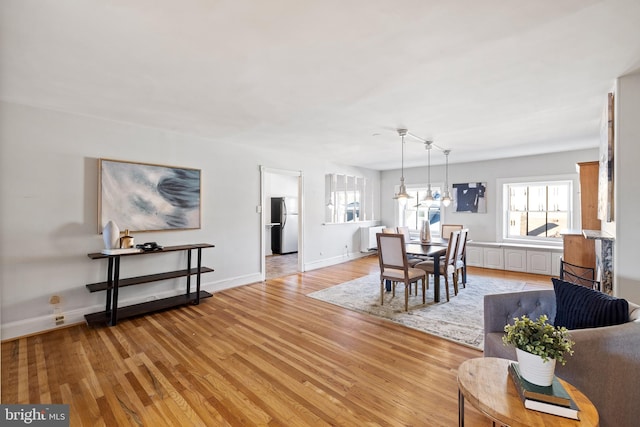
<point x="446" y="199"/>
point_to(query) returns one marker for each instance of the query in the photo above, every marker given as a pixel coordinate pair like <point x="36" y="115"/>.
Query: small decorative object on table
<point x="126" y="241"/>
<point x="425" y="232"/>
<point x="554" y="394"/>
<point x="111" y="235"/>
<point x="553" y="399"/>
<point x="539" y="345"/>
<point x="150" y="247"/>
<point x="114" y="244"/>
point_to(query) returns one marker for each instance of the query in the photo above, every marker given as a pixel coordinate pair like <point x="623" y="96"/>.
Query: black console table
<point x="112" y="313"/>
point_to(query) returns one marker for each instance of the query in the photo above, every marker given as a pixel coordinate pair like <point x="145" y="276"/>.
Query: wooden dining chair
<point x="392" y="255"/>
<point x="460" y="262"/>
<point x="447" y="229"/>
<point x="447" y="264"/>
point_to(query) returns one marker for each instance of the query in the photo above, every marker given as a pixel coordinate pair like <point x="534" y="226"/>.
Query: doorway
<point x="281" y="203"/>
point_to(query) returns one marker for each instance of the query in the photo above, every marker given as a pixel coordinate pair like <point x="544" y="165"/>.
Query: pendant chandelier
<point x="446" y="197"/>
<point x="428" y="199"/>
<point x="402" y="192"/>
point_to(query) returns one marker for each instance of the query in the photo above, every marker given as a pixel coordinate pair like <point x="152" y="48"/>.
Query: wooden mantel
<point x="578" y="249"/>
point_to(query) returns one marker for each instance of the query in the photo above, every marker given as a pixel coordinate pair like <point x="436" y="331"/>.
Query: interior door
<point x="276" y="183"/>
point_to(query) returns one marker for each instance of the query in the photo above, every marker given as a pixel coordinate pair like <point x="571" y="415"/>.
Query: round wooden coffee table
<point x="484" y="382"/>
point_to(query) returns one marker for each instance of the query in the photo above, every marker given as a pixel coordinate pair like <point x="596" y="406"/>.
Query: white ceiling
<point x="333" y="78"/>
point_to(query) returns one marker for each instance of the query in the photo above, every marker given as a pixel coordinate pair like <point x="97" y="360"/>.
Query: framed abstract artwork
<point x="470" y="197"/>
<point x="148" y="197"/>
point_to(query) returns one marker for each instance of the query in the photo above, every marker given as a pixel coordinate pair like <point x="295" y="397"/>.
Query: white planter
<point x="534" y="369"/>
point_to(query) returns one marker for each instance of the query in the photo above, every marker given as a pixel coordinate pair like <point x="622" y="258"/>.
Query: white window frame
<point x="400" y="219"/>
<point x="502" y="207"/>
<point x="354" y="190"/>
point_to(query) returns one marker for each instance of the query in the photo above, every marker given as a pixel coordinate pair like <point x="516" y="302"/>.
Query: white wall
<point x="627" y="177"/>
<point x="48" y="210"/>
<point x="48" y="214"/>
<point x="484" y="227"/>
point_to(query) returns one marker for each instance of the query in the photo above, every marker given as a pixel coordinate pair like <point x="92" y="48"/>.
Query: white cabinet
<point x="475" y="256"/>
<point x="539" y="262"/>
<point x="493" y="258"/>
<point x="515" y="259"/>
<point x="555" y="263"/>
<point x="529" y="260"/>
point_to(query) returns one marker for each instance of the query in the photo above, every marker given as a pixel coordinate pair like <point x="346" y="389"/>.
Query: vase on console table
<point x="111" y="235"/>
<point x="425" y="232"/>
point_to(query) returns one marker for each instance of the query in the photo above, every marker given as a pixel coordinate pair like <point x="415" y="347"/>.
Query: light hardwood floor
<point x="262" y="354"/>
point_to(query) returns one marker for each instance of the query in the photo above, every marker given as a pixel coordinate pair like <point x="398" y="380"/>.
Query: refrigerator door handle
<point x="284" y="213"/>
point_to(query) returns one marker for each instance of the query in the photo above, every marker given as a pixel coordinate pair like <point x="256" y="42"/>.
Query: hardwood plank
<point x="261" y="354"/>
<point x="104" y="318"/>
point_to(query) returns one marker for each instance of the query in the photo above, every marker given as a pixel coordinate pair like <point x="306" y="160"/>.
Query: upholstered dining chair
<point x="390" y="230"/>
<point x="405" y="232"/>
<point x="392" y="255"/>
<point x="447" y="229"/>
<point x="412" y="259"/>
<point x="460" y="262"/>
<point x="447" y="265"/>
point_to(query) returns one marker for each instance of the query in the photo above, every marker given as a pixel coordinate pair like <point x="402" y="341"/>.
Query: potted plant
<point x="539" y="345"/>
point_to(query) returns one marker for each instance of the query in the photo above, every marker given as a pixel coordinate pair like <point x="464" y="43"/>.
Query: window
<point x="348" y="199"/>
<point x="537" y="210"/>
<point x="412" y="212"/>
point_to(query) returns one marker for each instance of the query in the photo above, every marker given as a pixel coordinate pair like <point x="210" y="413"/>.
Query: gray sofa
<point x="606" y="362"/>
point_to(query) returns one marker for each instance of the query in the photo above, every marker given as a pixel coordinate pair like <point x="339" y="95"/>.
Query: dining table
<point x="435" y="249"/>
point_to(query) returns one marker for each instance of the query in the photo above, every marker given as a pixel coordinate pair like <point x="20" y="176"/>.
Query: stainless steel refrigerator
<point x="284" y="237"/>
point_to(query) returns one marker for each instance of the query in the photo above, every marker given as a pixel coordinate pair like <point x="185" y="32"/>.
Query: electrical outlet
<point x="58" y="315"/>
<point x="59" y="319"/>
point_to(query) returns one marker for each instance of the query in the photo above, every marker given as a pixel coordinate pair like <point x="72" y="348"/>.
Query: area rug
<point x="460" y="320"/>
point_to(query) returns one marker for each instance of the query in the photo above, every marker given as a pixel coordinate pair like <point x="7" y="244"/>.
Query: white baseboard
<point x="328" y="262"/>
<point x="221" y="285"/>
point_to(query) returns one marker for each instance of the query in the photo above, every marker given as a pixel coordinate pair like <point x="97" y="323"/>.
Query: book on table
<point x="555" y="393"/>
<point x="553" y="399"/>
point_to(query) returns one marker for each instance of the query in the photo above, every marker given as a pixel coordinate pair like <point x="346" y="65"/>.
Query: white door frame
<point x="263" y="221"/>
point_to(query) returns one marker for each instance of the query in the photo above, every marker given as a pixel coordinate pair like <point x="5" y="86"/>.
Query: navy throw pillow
<point x="578" y="307"/>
